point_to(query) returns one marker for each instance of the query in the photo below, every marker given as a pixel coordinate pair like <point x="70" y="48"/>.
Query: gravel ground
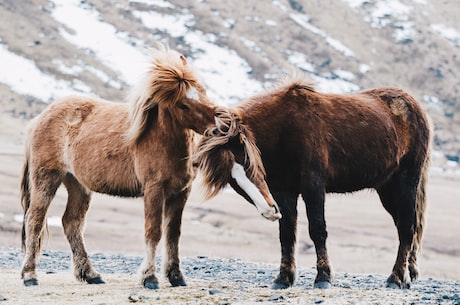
<point x="233" y="281"/>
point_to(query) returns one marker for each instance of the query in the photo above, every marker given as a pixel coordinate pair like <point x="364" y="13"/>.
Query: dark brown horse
<point x="136" y="149"/>
<point x="313" y="143"/>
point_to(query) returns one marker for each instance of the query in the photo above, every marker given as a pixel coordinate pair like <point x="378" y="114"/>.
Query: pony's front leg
<point x="287" y="234"/>
<point x="314" y="201"/>
<point x="153" y="210"/>
<point x="173" y="219"/>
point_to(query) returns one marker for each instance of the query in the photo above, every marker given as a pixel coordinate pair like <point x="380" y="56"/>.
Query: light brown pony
<point x="313" y="143"/>
<point x="136" y="149"/>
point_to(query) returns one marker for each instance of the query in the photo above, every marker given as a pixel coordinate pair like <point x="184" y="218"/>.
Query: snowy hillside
<point x="53" y="48"/>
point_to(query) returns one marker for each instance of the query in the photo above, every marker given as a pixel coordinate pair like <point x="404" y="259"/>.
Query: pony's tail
<point x="25" y="196"/>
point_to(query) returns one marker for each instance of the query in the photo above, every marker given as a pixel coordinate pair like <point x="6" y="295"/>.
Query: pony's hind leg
<point x="287" y="235"/>
<point x="172" y="223"/>
<point x="398" y="196"/>
<point x="42" y="188"/>
<point x="73" y="222"/>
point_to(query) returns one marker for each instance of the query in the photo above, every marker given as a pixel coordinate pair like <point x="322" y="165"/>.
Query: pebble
<point x="2" y="298"/>
<point x="276" y="297"/>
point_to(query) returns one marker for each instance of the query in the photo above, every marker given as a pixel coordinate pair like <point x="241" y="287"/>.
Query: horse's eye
<point x="183" y="106"/>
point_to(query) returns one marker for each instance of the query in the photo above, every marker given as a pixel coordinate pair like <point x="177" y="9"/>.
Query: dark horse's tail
<point x="25" y="196"/>
<point x="421" y="201"/>
<point x="424" y="131"/>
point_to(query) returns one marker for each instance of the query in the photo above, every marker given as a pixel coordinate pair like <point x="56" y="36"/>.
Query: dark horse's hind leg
<point x="314" y="201"/>
<point x="287" y="230"/>
<point x="173" y="218"/>
<point x="73" y="222"/>
<point x="398" y="196"/>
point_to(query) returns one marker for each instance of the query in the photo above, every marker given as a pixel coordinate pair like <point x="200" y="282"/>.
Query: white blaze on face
<point x="192" y="94"/>
<point x="253" y="192"/>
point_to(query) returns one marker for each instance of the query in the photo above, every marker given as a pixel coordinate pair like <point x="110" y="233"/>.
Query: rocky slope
<point x="239" y="47"/>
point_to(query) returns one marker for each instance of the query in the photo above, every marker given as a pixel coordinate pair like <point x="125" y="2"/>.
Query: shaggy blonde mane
<point x="214" y="160"/>
<point x="165" y="83"/>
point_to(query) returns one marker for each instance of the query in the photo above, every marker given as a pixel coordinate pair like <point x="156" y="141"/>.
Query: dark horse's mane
<point x="213" y="161"/>
<point x="288" y="83"/>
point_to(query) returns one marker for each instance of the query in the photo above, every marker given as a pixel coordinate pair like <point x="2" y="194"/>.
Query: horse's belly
<point x="351" y="180"/>
<point x="105" y="176"/>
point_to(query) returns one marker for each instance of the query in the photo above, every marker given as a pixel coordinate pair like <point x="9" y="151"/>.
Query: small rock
<point x="214" y="291"/>
<point x="319" y="301"/>
<point x="2" y="298"/>
<point x="133" y="298"/>
<point x="276" y="297"/>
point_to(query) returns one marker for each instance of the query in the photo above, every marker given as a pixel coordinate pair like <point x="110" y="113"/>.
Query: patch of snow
<point x="333" y="85"/>
<point x="385" y="13"/>
<point x="356" y="3"/>
<point x="271" y="23"/>
<point x="451" y="34"/>
<point x="102" y="38"/>
<point x="2" y="215"/>
<point x="159" y="3"/>
<point x="280" y="5"/>
<point x="176" y="25"/>
<point x="300" y="60"/>
<point x="24" y="77"/>
<point x="343" y="74"/>
<point x="363" y="68"/>
<point x="304" y="22"/>
<point x="229" y="23"/>
<point x="337" y="82"/>
<point x="404" y="31"/>
<point x="78" y="69"/>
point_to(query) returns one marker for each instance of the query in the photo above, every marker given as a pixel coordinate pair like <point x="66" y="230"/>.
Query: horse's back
<point x="83" y="137"/>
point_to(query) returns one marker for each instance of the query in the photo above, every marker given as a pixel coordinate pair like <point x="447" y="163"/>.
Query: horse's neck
<point x="170" y="131"/>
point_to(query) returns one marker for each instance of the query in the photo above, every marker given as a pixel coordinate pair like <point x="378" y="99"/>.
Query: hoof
<point x="175" y="276"/>
<point x="178" y="282"/>
<point x="322" y="285"/>
<point x="393" y="285"/>
<point x="151" y="282"/>
<point x="280" y="285"/>
<point x="96" y="280"/>
<point x="31" y="282"/>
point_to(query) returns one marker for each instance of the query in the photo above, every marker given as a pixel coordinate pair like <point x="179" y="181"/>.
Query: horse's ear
<point x="182" y="58"/>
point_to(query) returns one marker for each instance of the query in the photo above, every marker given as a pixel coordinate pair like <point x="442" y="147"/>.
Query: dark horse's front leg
<point x="314" y="201"/>
<point x="287" y="230"/>
<point x="173" y="219"/>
